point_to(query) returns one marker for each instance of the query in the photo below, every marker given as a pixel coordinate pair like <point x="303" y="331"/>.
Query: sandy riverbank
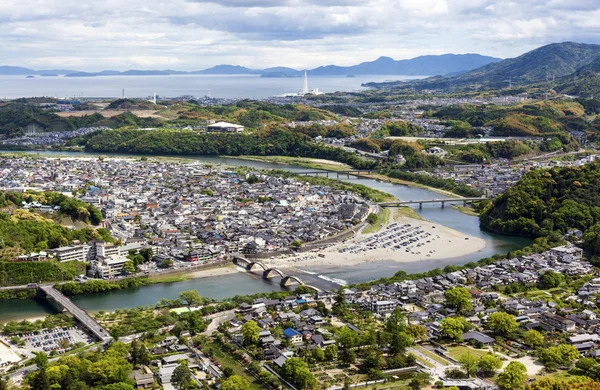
<point x="211" y="272"/>
<point x="437" y="242"/>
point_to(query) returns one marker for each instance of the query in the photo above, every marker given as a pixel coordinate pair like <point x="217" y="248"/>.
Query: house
<point x="293" y="335"/>
<point x="478" y="337"/>
<point x="143" y="380"/>
<point x="224" y="127"/>
<point x="558" y="322"/>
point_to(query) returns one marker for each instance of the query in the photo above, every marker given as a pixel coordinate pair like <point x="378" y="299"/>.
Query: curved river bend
<point x="243" y="283"/>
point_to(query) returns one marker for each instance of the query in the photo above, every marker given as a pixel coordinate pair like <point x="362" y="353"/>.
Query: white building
<point x="224" y="127"/>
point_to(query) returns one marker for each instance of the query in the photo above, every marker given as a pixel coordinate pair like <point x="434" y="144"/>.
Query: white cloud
<point x="186" y="34"/>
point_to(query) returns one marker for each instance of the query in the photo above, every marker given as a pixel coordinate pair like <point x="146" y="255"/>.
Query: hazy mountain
<point x="227" y="69"/>
<point x="15" y="70"/>
<point x="424" y="66"/>
<point x="281" y="71"/>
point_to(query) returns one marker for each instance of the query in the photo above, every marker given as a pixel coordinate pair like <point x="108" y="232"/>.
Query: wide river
<point x="243" y="283"/>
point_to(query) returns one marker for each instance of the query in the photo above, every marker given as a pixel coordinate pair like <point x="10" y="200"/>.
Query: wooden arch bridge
<point x="268" y="272"/>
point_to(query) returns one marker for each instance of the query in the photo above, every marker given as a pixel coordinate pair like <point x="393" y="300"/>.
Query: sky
<point x="196" y="34"/>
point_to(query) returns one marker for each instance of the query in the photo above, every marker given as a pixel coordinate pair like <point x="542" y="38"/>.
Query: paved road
<point x="218" y="319"/>
<point x="81" y="315"/>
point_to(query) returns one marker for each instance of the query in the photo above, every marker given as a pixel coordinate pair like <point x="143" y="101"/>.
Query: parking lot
<point x="59" y="339"/>
<point x="396" y="237"/>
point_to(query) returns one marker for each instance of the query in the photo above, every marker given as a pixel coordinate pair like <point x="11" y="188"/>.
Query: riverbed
<point x="242" y="283"/>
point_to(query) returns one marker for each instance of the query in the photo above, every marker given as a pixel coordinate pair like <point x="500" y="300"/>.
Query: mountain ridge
<point x="418" y="66"/>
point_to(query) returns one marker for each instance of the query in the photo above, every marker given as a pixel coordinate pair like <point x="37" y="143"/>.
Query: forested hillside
<point x="268" y="142"/>
<point x="546" y="201"/>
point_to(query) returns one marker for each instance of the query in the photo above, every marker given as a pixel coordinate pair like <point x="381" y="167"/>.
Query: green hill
<point x="546" y="201"/>
<point x="584" y="83"/>
<point x="554" y="60"/>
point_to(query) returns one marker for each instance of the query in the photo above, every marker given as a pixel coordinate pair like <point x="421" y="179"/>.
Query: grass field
<point x="457" y="351"/>
<point x="432" y="355"/>
<point x="383" y="218"/>
<point x="227" y="360"/>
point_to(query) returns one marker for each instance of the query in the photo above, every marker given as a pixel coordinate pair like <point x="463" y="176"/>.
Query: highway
<point x="81" y="315"/>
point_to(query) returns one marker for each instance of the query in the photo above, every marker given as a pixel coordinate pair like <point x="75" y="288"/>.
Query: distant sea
<point x="219" y="86"/>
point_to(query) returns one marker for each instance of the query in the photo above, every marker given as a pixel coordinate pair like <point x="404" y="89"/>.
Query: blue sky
<point x="196" y="34"/>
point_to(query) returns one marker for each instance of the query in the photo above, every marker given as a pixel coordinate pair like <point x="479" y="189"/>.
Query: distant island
<point x="444" y="65"/>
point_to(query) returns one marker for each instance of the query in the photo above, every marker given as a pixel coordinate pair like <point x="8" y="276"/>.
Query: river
<point x="221" y="286"/>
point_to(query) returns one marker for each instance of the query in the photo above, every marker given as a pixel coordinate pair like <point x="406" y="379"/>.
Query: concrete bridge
<point x="355" y="172"/>
<point x="80" y="315"/>
<point x="420" y="202"/>
<point x="269" y="272"/>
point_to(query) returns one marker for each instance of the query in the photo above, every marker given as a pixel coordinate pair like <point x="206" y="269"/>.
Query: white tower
<point x="154" y="100"/>
<point x="305" y="88"/>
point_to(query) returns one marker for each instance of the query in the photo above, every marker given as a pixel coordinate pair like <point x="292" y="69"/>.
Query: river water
<point x="243" y="283"/>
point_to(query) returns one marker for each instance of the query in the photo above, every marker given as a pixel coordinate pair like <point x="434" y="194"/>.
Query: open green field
<point x="432" y="355"/>
<point x="383" y="218"/>
<point x="455" y="352"/>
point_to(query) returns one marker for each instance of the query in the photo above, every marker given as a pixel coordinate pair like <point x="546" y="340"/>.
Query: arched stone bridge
<point x="268" y="273"/>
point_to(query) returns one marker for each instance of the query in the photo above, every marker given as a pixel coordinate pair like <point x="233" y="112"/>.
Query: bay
<point x="217" y="86"/>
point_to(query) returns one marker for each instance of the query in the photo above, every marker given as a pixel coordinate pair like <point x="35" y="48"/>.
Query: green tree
<point x="40" y="360"/>
<point x="513" y="376"/>
<point x="318" y="354"/>
<point x="561" y="355"/>
<point x="235" y="382"/>
<point x="503" y="323"/>
<point x="181" y="375"/>
<point x="453" y="327"/>
<point x="41" y="381"/>
<point x="460" y="299"/>
<point x="331" y="352"/>
<point x="469" y="363"/>
<point x="550" y="279"/>
<point x="128" y="267"/>
<point x="250" y="331"/>
<point x="297" y="370"/>
<point x="533" y="338"/>
<point x="417" y="332"/>
<point x="488" y="364"/>
<point x="191" y="298"/>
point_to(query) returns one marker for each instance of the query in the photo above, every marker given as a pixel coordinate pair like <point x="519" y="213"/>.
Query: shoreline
<point x="439" y="242"/>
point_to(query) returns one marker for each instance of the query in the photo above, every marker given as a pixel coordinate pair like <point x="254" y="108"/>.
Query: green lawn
<point x="455" y="352"/>
<point x="227" y="360"/>
<point x="382" y="219"/>
<point x="432" y="355"/>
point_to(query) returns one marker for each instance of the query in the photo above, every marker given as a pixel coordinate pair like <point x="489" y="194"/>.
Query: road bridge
<point x="355" y="172"/>
<point x="421" y="202"/>
<point x="80" y="315"/>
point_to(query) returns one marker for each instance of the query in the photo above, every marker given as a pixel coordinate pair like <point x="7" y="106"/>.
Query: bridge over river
<point x="80" y="315"/>
<point x="443" y="202"/>
<point x="270" y="272"/>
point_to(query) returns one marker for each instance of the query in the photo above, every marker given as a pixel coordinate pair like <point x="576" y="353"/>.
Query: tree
<point x="550" y="279"/>
<point x="227" y="372"/>
<point x="561" y="355"/>
<point x="488" y="364"/>
<point x="513" y="376"/>
<point x="139" y="353"/>
<point x="250" y="331"/>
<point x="235" y="382"/>
<point x="115" y="333"/>
<point x="469" y="363"/>
<point x="331" y="352"/>
<point x="417" y="332"/>
<point x="533" y="338"/>
<point x="40" y="360"/>
<point x="297" y="370"/>
<point x="453" y="327"/>
<point x="181" y="375"/>
<point x="460" y="299"/>
<point x="128" y="267"/>
<point x="318" y="354"/>
<point x="191" y="298"/>
<point x="503" y="323"/>
<point x="41" y="381"/>
<point x="372" y="218"/>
